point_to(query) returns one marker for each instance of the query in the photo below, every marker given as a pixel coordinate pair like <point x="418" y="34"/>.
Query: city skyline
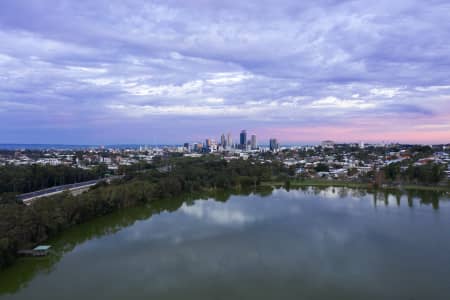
<point x="167" y="72"/>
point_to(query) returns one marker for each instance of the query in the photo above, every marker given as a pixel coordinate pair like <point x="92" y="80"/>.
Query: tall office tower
<point x="243" y="139"/>
<point x="223" y="142"/>
<point x="254" y="146"/>
<point x="207" y="144"/>
<point x="198" y="147"/>
<point x="229" y="140"/>
<point x="273" y="145"/>
<point x="212" y="146"/>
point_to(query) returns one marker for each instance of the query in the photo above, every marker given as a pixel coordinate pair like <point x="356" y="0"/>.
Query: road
<point x="29" y="197"/>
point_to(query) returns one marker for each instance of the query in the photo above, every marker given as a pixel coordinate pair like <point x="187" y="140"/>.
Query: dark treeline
<point x="425" y="174"/>
<point x="384" y="196"/>
<point x="25" y="226"/>
<point x="22" y="227"/>
<point x="24" y="179"/>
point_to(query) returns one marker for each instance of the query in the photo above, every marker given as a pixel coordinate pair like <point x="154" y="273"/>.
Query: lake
<point x="312" y="243"/>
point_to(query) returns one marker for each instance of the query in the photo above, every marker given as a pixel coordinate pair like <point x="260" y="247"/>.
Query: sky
<point x="167" y="71"/>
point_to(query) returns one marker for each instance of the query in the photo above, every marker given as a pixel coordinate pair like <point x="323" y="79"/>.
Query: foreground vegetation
<point x="23" y="226"/>
<point x="24" y="179"/>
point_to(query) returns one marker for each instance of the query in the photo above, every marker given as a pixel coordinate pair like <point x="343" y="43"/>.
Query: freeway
<point x="28" y="197"/>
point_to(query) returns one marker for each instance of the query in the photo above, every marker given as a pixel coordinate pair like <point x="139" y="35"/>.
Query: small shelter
<point x="41" y="250"/>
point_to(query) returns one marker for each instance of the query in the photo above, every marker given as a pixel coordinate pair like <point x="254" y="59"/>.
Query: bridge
<point x="74" y="188"/>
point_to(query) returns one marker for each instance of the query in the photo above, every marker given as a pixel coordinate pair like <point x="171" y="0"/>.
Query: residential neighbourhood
<point x="328" y="160"/>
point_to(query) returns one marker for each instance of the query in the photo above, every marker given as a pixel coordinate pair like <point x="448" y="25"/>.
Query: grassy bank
<point x="349" y="184"/>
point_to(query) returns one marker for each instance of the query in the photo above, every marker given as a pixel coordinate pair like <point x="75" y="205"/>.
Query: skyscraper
<point x="223" y="142"/>
<point x="198" y="147"/>
<point x="243" y="139"/>
<point x="253" y="144"/>
<point x="229" y="140"/>
<point x="213" y="146"/>
<point x="207" y="144"/>
<point x="273" y="144"/>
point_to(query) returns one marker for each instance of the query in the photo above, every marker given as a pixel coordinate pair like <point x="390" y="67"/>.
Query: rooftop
<point x="42" y="248"/>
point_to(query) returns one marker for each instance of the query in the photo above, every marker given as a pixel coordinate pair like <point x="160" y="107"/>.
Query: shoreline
<point x="220" y="194"/>
<point x="358" y="185"/>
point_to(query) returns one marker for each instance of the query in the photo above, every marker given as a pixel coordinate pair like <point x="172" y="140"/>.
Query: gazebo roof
<point x="42" y="248"/>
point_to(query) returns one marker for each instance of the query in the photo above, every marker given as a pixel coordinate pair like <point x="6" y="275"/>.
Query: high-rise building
<point x="213" y="146"/>
<point x="198" y="147"/>
<point x="273" y="144"/>
<point x="223" y="141"/>
<point x="243" y="139"/>
<point x="253" y="143"/>
<point x="229" y="140"/>
<point x="207" y="144"/>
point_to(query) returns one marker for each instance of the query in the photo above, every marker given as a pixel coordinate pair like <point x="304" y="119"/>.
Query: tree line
<point x="29" y="178"/>
<point x="430" y="173"/>
<point x="24" y="226"/>
<point x="166" y="179"/>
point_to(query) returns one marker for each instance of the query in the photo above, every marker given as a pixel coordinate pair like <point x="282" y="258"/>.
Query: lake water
<point x="331" y="243"/>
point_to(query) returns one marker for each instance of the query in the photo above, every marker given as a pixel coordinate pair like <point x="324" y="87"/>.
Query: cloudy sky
<point x="135" y="71"/>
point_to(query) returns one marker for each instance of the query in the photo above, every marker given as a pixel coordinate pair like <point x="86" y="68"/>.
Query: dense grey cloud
<point x="169" y="71"/>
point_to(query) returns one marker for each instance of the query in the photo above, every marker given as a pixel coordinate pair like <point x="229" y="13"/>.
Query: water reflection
<point x="317" y="235"/>
<point x="17" y="276"/>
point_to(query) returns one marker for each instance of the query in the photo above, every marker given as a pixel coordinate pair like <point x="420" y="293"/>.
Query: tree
<point x="352" y="172"/>
<point x="321" y="167"/>
<point x="392" y="171"/>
